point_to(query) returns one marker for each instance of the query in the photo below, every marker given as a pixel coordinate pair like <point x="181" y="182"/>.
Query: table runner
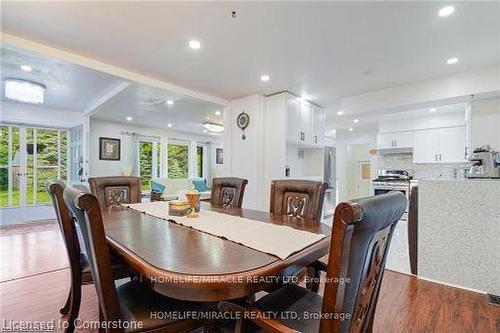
<point x="278" y="240"/>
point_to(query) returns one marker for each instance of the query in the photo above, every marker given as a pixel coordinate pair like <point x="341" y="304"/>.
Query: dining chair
<point x="78" y="263"/>
<point x="362" y="231"/>
<point x="298" y="198"/>
<point x="116" y="190"/>
<point x="228" y="192"/>
<point x="133" y="303"/>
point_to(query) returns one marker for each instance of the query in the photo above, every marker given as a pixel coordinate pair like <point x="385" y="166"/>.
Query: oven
<point x="383" y="187"/>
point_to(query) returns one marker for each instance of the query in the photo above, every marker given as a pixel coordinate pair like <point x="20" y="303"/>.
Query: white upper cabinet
<point x="440" y="145"/>
<point x="305" y="122"/>
<point x="395" y="140"/>
<point x="319" y="120"/>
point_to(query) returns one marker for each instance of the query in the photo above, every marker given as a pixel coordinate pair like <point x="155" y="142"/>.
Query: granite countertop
<point x="464" y="180"/>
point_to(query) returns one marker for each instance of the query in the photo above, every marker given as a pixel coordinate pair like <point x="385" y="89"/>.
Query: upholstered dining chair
<point x="116" y="190"/>
<point x="134" y="301"/>
<point x="78" y="262"/>
<point x="362" y="231"/>
<point x="297" y="198"/>
<point x="228" y="192"/>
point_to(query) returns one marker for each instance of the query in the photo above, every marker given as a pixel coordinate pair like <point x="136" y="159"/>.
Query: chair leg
<point x="65" y="309"/>
<point x="76" y="297"/>
<point x="314" y="275"/>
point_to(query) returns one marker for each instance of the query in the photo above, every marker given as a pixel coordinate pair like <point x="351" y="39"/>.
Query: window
<point x="149" y="156"/>
<point x="178" y="154"/>
<point x="199" y="161"/>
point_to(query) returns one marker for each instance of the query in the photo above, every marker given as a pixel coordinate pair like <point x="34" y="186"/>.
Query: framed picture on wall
<point x="109" y="149"/>
<point x="219" y="156"/>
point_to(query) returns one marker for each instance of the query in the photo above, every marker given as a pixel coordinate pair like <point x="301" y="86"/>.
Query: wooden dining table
<point x="185" y="263"/>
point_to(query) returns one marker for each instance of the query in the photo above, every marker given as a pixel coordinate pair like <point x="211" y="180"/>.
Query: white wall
<point x="99" y="128"/>
<point x="485" y="123"/>
<point x="361" y="135"/>
<point x="246" y="157"/>
<point x="422" y="121"/>
<point x="26" y="114"/>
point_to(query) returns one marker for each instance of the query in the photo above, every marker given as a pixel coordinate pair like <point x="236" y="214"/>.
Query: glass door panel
<point x="145" y="164"/>
<point x="5" y="195"/>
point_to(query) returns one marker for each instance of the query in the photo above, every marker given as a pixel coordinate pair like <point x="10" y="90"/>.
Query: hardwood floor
<point x="35" y="283"/>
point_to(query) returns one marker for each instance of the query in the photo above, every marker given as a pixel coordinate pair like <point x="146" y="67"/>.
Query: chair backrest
<point x="297" y="198"/>
<point x="413" y="230"/>
<point x="87" y="212"/>
<point x="362" y="231"/>
<point x="228" y="192"/>
<point x="112" y="191"/>
<point x="67" y="226"/>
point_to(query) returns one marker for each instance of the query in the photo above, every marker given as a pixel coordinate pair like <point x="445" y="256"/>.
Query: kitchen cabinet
<point x="305" y="122"/>
<point x="440" y="145"/>
<point x="395" y="140"/>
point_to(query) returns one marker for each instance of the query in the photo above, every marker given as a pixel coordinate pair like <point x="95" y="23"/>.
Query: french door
<point x="29" y="157"/>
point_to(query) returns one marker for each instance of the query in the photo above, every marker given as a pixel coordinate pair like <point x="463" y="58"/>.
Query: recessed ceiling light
<point x="452" y="61"/>
<point x="169" y="125"/>
<point x="446" y="11"/>
<point x="218" y="113"/>
<point x="264" y="78"/>
<point x="129" y="118"/>
<point x="194" y="44"/>
<point x="26" y="68"/>
<point x="170" y="102"/>
<point x="351" y="129"/>
<point x="24" y="91"/>
<point x="432" y="110"/>
<point x="205" y="131"/>
<point x="355" y="121"/>
<point x="339" y="113"/>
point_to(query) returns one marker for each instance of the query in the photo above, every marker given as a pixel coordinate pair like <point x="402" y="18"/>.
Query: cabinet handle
<point x="395" y="143"/>
<point x="315" y="139"/>
<point x="436" y="157"/>
<point x="465" y="153"/>
<point x="440" y="156"/>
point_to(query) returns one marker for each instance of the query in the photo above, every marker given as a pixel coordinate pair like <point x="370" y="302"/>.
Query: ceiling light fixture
<point x="205" y="131"/>
<point x="129" y="118"/>
<point x="24" y="91"/>
<point x="446" y="11"/>
<point x="339" y="113"/>
<point x="218" y="113"/>
<point x="169" y="125"/>
<point x="452" y="61"/>
<point x="194" y="44"/>
<point x="432" y="110"/>
<point x="351" y="129"/>
<point x="214" y="127"/>
<point x="355" y="121"/>
<point x="264" y="78"/>
<point x="170" y="102"/>
<point x="26" y="68"/>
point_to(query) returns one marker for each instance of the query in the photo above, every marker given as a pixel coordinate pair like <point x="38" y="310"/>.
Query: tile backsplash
<point x="429" y="170"/>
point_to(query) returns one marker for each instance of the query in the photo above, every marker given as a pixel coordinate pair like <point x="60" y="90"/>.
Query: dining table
<point x="184" y="263"/>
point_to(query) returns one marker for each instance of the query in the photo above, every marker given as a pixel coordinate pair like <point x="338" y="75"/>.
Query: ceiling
<point x="327" y="49"/>
<point x="147" y="106"/>
<point x="68" y="87"/>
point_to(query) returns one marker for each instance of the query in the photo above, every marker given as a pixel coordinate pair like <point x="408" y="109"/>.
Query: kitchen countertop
<point x="459" y="232"/>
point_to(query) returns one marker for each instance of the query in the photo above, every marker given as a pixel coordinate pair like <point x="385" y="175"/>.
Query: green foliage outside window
<point x="177" y="161"/>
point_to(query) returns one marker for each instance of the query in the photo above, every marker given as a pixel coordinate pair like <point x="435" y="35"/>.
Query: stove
<point x="393" y="180"/>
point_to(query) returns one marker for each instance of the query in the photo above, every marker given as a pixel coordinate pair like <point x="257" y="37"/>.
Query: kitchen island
<point x="459" y="233"/>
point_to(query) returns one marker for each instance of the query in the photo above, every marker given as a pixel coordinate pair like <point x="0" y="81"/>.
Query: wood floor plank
<point x="34" y="265"/>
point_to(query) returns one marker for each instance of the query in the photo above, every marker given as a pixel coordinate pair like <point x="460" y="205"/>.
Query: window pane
<point x="16" y="166"/>
<point x="177" y="161"/>
<point x="4" y="171"/>
<point x="64" y="157"/>
<point x="46" y="147"/>
<point x="4" y="187"/>
<point x="158" y="159"/>
<point x="4" y="146"/>
<point x="30" y="199"/>
<point x="146" y="163"/>
<point x="43" y="176"/>
<point x="199" y="161"/>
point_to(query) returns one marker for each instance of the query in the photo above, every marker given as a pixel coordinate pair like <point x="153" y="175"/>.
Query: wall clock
<point x="243" y="120"/>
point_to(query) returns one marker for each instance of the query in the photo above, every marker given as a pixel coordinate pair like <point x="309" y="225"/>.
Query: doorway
<point x="358" y="171"/>
<point x="29" y="157"/>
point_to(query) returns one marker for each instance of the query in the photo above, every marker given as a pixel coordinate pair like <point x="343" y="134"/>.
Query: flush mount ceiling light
<point x="355" y="121"/>
<point x="214" y="127"/>
<point x="24" y="91"/>
<point x="26" y="68"/>
<point x="194" y="44"/>
<point x="339" y="113"/>
<point x="129" y="118"/>
<point x="452" y="61"/>
<point x="264" y="78"/>
<point x="446" y="11"/>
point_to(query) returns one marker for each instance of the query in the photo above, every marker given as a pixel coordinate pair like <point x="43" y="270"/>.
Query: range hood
<point x="391" y="151"/>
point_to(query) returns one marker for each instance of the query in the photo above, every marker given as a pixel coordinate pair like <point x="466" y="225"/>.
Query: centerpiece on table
<point x="178" y="208"/>
<point x="193" y="198"/>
